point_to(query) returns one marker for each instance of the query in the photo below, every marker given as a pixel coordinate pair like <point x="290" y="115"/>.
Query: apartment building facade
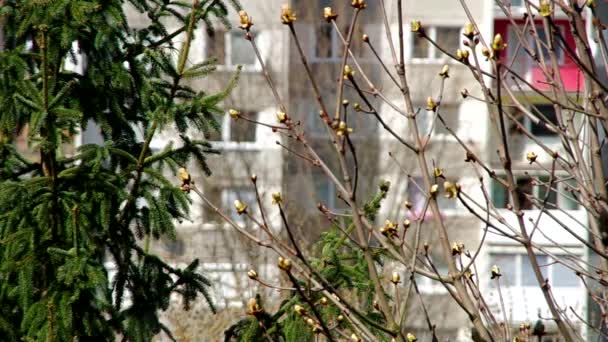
<point x="247" y="149"/>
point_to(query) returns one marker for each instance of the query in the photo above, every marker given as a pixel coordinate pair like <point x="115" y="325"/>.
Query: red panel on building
<point x="521" y="62"/>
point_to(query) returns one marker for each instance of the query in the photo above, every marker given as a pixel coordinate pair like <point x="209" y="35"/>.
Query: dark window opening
<point x="541" y="129"/>
<point x="242" y="130"/>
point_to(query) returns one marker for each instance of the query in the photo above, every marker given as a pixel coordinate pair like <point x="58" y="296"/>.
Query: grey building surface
<point x="247" y="149"/>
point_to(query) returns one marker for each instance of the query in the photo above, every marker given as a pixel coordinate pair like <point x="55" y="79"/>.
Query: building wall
<point x="226" y="256"/>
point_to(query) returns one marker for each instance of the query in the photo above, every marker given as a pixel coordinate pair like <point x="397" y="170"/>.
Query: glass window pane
<point x="441" y="267"/>
<point x="499" y="194"/>
<point x="567" y="198"/>
<point x="518" y="57"/>
<point x="515" y="127"/>
<point x="544" y="191"/>
<point x="525" y="188"/>
<point x="325" y="192"/>
<point x="507" y="264"/>
<point x="563" y="276"/>
<point x="540" y="129"/>
<point x="244" y="195"/>
<point x="363" y="124"/>
<point x="214" y="194"/>
<point x="242" y="130"/>
<point x="175" y="247"/>
<point x="448" y="38"/>
<point x="450" y="116"/>
<point x="216" y="46"/>
<point x="213" y="134"/>
<point x="423" y="120"/>
<point x="420" y="47"/>
<point x="442" y="201"/>
<point x="240" y="50"/>
<point x="527" y="274"/>
<point x="314" y="123"/>
<point x="415" y="195"/>
<point x="542" y="37"/>
<point x="323" y="47"/>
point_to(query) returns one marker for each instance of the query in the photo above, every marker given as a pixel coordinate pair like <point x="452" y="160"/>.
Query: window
<point x="542" y="38"/>
<point x="425" y="283"/>
<point x="528" y="278"/>
<point x="245" y="195"/>
<point x="449" y="113"/>
<point x="327" y="45"/>
<point x="525" y="190"/>
<point x="559" y="195"/>
<point x="326" y="193"/>
<point x="447" y="37"/>
<point x="231" y="48"/>
<point x="517" y="271"/>
<point x="224" y="198"/>
<point x="513" y="3"/>
<point x="236" y="131"/>
<point x="544" y="112"/>
<point x="563" y="276"/>
<point x="417" y="196"/>
<point x="508" y="266"/>
<point x="362" y="124"/>
<point x="241" y="130"/>
<point x="547" y="112"/>
<point x="522" y="61"/>
<point x="310" y="111"/>
<point x="175" y="247"/>
<point x="424" y="120"/>
<point x="553" y="338"/>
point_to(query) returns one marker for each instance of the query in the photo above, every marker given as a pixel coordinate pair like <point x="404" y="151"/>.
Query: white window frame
<point x="520" y="256"/>
<point x="428" y="285"/>
<point x="560" y="191"/>
<point x="226" y="143"/>
<point x="226" y="64"/>
<point x="332" y="200"/>
<point x="428" y="122"/>
<point x="513" y="43"/>
<point x="227" y="199"/>
<point x="224" y="278"/>
<point x="456" y="210"/>
<point x="335" y="47"/>
<point x="176" y="248"/>
<point x="316" y="128"/>
<point x="431" y="31"/>
<point x="520" y="10"/>
<point x="527" y="123"/>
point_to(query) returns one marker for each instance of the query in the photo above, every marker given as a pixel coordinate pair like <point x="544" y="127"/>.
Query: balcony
<point x="519" y="60"/>
<point x="523" y="298"/>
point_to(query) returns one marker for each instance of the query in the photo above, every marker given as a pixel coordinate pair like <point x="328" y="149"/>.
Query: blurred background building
<point x="248" y="149"/>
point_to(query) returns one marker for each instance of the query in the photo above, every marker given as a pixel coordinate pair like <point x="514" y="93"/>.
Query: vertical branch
<point x="48" y="154"/>
<point x="349" y="37"/>
<point x="183" y="56"/>
<point x="507" y="326"/>
<point x="265" y="71"/>
<point x="592" y="87"/>
<point x="467" y="302"/>
<point x="313" y="83"/>
<point x="301" y="256"/>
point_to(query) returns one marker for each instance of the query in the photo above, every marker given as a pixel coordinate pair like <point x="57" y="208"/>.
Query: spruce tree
<point x="63" y="216"/>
